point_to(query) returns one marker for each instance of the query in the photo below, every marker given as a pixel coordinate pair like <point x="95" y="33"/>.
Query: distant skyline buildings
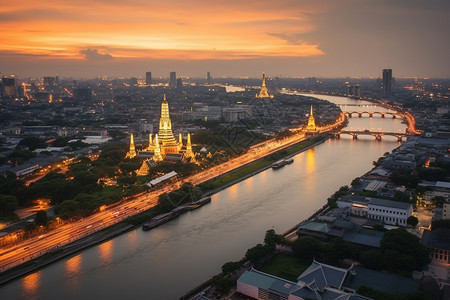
<point x="148" y="78"/>
<point x="173" y="79"/>
<point x="386" y="83"/>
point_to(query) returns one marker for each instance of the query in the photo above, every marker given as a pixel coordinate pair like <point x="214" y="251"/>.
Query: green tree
<point x="401" y="197"/>
<point x="405" y="248"/>
<point x="31" y="143"/>
<point x="272" y="239"/>
<point x="222" y="284"/>
<point x="41" y="218"/>
<point x="230" y="268"/>
<point x="68" y="209"/>
<point x="8" y="204"/>
<point x="438" y="201"/>
<point x="307" y="247"/>
<point x="413" y="221"/>
<point x="255" y="253"/>
<point x="356" y="182"/>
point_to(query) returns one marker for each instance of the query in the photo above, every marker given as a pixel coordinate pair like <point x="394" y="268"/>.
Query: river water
<point x="166" y="262"/>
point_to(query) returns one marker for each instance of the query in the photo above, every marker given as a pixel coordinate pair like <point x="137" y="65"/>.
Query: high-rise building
<point x="208" y="78"/>
<point x="353" y="91"/>
<point x="148" y="78"/>
<point x="8" y="87"/>
<point x="82" y="94"/>
<point x="133" y="81"/>
<point x="179" y="83"/>
<point x="49" y="82"/>
<point x="386" y="83"/>
<point x="173" y="79"/>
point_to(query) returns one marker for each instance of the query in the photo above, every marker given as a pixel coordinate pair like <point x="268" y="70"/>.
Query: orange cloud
<point x="156" y="29"/>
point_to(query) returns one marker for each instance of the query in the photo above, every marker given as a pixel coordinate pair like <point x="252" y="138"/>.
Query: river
<point x="166" y="262"/>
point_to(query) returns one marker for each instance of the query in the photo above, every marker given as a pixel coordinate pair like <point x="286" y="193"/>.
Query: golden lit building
<point x="311" y="127"/>
<point x="264" y="93"/>
<point x="132" y="152"/>
<point x="164" y="146"/>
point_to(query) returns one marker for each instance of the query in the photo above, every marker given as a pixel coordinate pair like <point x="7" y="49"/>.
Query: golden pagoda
<point x="311" y="127"/>
<point x="264" y="93"/>
<point x="132" y="152"/>
<point x="157" y="156"/>
<point x="189" y="153"/>
<point x="165" y="135"/>
<point x="164" y="146"/>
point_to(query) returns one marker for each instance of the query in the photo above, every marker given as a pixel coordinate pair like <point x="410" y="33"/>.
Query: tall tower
<point x="189" y="152"/>
<point x="386" y="83"/>
<point x="264" y="93"/>
<point x="132" y="152"/>
<point x="173" y="79"/>
<point x="165" y="134"/>
<point x="148" y="78"/>
<point x="208" y="78"/>
<point x="311" y="127"/>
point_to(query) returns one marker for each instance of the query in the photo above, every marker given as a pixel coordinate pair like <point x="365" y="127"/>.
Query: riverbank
<point x="61" y="253"/>
<point x="225" y="180"/>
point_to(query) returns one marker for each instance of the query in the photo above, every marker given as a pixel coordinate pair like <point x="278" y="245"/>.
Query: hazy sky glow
<point x="228" y="38"/>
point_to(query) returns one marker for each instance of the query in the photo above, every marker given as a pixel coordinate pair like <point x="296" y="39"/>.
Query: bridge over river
<point x="376" y="134"/>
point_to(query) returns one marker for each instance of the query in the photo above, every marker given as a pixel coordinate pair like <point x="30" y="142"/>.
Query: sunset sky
<point x="87" y="38"/>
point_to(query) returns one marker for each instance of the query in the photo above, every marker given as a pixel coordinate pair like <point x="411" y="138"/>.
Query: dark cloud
<point x="93" y="55"/>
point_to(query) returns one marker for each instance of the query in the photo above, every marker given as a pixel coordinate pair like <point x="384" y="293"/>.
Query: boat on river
<point x="198" y="203"/>
<point x="282" y="163"/>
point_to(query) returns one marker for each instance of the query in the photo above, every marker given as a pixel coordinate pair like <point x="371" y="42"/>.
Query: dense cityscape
<point x="288" y="150"/>
<point x="86" y="155"/>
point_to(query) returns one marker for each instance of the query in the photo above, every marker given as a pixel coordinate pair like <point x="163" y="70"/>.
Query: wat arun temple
<point x="163" y="146"/>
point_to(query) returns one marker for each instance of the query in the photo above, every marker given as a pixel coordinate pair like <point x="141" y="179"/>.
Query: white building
<point x="386" y="211"/>
<point x="390" y="212"/>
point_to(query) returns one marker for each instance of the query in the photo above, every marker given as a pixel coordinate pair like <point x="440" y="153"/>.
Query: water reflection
<point x="73" y="265"/>
<point x="106" y="251"/>
<point x="310" y="163"/>
<point x="30" y="285"/>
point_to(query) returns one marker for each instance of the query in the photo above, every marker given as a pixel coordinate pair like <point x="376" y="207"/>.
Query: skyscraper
<point x="386" y="83"/>
<point x="82" y="94"/>
<point x="8" y="87"/>
<point x="208" y="78"/>
<point x="148" y="78"/>
<point x="173" y="79"/>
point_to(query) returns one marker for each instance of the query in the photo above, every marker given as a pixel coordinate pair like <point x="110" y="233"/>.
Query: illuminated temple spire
<point x="157" y="154"/>
<point x="264" y="93"/>
<point x="189" y="152"/>
<point x="311" y="127"/>
<point x="132" y="152"/>
<point x="165" y="133"/>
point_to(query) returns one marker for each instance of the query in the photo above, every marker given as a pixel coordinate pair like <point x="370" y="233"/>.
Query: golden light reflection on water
<point x="106" y="251"/>
<point x="30" y="284"/>
<point x="73" y="265"/>
<point x="310" y="163"/>
<point x="233" y="192"/>
<point x="132" y="238"/>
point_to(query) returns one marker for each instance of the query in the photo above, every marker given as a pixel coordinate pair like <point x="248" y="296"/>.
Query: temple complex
<point x="264" y="93"/>
<point x="163" y="146"/>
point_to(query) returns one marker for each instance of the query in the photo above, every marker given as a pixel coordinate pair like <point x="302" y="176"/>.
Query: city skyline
<point x="286" y="39"/>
